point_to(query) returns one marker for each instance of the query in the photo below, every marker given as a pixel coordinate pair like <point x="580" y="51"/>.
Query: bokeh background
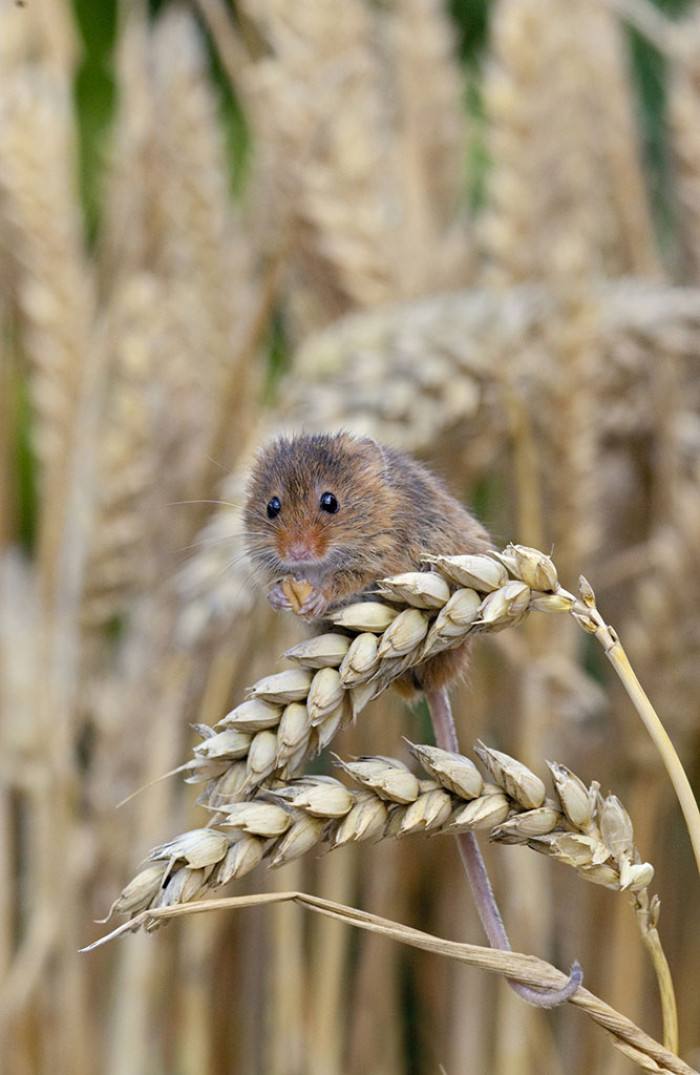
<point x="470" y="229"/>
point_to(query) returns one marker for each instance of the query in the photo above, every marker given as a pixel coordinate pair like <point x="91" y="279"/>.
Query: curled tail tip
<point x="552" y="998"/>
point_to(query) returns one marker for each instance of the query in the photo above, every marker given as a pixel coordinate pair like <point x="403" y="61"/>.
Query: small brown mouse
<point x="341" y="512"/>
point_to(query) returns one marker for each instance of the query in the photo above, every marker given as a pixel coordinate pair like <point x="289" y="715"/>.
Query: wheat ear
<point x="578" y="827"/>
<point x="294" y="714"/>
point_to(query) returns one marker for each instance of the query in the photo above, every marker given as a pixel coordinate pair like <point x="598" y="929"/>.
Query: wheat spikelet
<point x="190" y="297"/>
<point x="295" y="714"/>
<point x="204" y="253"/>
<point x="446" y="354"/>
<point x="367" y="167"/>
<point x="510" y="96"/>
<point x="44" y="33"/>
<point x="629" y="246"/>
<point x="572" y="429"/>
<point x="558" y="226"/>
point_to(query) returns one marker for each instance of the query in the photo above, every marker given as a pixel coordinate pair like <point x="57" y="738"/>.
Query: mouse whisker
<point x="218" y="503"/>
<point x="207" y="542"/>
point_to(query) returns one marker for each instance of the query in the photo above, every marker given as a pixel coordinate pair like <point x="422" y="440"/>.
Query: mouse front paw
<point x="315" y="605"/>
<point x="279" y="598"/>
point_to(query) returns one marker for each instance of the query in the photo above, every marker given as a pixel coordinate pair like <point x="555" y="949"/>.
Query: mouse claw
<point x="279" y="599"/>
<point x="315" y="605"/>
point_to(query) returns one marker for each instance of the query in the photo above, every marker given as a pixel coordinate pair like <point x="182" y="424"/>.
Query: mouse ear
<point x="358" y="440"/>
<point x="378" y="453"/>
<point x="357" y="443"/>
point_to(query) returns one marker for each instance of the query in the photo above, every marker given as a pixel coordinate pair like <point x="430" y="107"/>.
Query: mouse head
<point x="311" y="506"/>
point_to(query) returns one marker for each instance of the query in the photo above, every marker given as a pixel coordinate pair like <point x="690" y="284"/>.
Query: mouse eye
<point x="329" y="503"/>
<point x="274" y="507"/>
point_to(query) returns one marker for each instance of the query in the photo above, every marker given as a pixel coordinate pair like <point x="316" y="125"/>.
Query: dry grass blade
<point x="526" y="969"/>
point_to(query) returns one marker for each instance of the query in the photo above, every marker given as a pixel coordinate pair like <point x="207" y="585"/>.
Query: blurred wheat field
<point x="479" y="243"/>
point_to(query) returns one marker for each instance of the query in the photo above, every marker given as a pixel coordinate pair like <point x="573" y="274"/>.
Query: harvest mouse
<point x="340" y="512"/>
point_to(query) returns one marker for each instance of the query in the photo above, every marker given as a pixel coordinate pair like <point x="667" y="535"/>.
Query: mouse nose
<point x="299" y="551"/>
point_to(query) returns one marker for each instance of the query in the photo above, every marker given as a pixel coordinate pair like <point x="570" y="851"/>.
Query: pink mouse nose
<point x="299" y="551"/>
